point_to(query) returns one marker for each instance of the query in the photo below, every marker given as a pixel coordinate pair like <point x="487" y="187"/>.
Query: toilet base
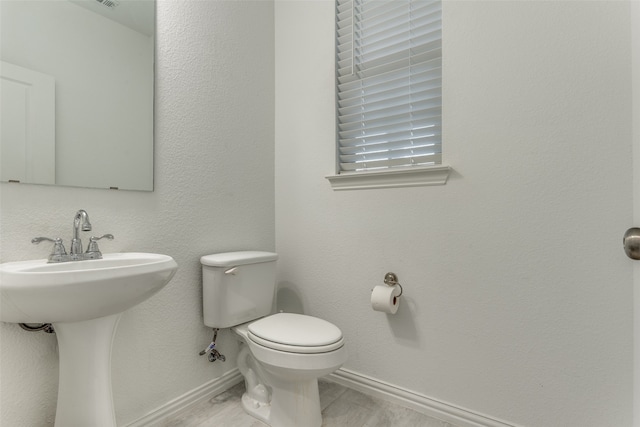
<point x="293" y="404"/>
<point x="256" y="409"/>
<point x="282" y="387"/>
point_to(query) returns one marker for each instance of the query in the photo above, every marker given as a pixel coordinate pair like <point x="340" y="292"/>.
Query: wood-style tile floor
<point x="341" y="407"/>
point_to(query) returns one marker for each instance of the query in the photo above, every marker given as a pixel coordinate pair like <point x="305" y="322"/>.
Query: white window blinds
<point x="389" y="83"/>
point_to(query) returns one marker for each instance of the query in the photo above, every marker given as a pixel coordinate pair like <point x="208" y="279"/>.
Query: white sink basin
<point x="37" y="292"/>
<point x="84" y="301"/>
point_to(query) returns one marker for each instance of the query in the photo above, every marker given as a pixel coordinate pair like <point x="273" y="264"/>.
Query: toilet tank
<point x="237" y="287"/>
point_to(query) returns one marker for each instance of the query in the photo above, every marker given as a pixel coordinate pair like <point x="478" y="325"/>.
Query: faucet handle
<point x="93" y="239"/>
<point x="58" y="254"/>
<point x="93" y="252"/>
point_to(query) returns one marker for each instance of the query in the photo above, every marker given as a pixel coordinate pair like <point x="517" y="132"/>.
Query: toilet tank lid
<point x="232" y="259"/>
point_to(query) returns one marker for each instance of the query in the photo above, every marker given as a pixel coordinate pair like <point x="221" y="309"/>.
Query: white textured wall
<point x="518" y="298"/>
<point x="214" y="192"/>
<point x="518" y="304"/>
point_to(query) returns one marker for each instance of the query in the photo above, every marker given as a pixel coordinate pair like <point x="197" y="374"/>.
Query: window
<point x="389" y="92"/>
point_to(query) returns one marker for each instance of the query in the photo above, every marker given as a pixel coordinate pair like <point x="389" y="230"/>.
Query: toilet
<point x="282" y="355"/>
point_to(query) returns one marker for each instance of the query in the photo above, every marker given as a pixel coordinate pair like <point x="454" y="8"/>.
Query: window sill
<point x="409" y="177"/>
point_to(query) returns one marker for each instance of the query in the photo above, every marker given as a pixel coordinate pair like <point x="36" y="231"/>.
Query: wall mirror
<point x="77" y="92"/>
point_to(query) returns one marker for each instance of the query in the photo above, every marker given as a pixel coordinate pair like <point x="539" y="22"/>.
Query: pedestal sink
<point x="84" y="301"/>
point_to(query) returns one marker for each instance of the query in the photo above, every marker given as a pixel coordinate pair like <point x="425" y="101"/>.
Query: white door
<point x="27" y="115"/>
<point x="635" y="45"/>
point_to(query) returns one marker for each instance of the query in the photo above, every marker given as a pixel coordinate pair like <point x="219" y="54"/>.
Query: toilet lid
<point x="296" y="333"/>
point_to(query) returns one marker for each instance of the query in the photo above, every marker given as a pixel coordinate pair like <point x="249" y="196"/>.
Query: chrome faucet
<point x="59" y="254"/>
<point x="81" y="219"/>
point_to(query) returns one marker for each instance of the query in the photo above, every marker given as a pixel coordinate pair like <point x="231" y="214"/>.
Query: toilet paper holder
<point x="391" y="279"/>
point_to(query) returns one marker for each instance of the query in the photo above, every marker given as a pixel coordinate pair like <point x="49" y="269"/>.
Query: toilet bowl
<point x="283" y="357"/>
<point x="283" y="354"/>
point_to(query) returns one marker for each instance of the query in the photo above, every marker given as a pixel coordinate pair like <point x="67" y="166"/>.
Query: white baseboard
<point x="443" y="411"/>
<point x="203" y="392"/>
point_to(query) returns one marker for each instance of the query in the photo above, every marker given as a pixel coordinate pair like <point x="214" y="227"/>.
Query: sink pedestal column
<point x="84" y="386"/>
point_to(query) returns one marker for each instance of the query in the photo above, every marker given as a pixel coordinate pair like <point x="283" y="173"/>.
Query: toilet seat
<point x="295" y="333"/>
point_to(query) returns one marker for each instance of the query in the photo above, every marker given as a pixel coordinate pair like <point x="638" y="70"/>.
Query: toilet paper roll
<point x="385" y="298"/>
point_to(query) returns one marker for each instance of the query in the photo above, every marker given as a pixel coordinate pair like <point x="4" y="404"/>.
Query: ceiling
<point x="139" y="15"/>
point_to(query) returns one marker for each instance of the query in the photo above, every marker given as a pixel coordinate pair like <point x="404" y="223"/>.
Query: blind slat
<point x="353" y="145"/>
<point x="388" y="154"/>
<point x="398" y="86"/>
<point x="400" y="108"/>
<point x="370" y="13"/>
<point x="391" y="99"/>
<point x="394" y="27"/>
<point x="434" y="159"/>
<point x="414" y="71"/>
<point x="422" y="118"/>
<point x="393" y="62"/>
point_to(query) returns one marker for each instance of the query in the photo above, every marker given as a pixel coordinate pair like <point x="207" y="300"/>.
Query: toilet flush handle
<point x="232" y="270"/>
